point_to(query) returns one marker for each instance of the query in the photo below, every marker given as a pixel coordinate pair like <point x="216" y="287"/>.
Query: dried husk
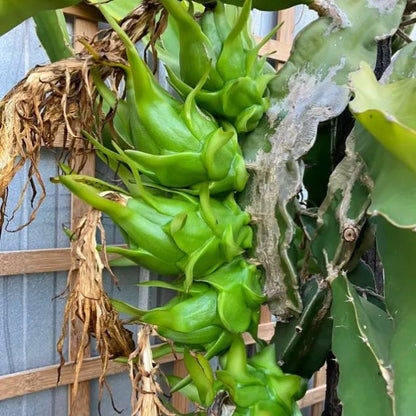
<point x="88" y="302"/>
<point x="145" y="399"/>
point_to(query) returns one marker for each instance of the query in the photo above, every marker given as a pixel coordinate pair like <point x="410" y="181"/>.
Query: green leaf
<point x="361" y="337"/>
<point x="403" y="65"/>
<point x="397" y="251"/>
<point x="53" y="34"/>
<point x="118" y="9"/>
<point x="13" y="12"/>
<point x="127" y="309"/>
<point x="362" y="276"/>
<point x="394" y="191"/>
<point x="202" y="376"/>
<point x="321" y="48"/>
<point x="190" y="391"/>
<point x="302" y="344"/>
<point x="387" y="112"/>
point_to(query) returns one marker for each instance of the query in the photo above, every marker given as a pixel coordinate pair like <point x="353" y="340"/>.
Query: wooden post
<point x="285" y="33"/>
<point x="81" y="406"/>
<point x="265" y="315"/>
<point x="319" y="380"/>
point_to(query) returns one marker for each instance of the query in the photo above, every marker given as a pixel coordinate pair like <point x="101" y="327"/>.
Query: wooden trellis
<point x="58" y="259"/>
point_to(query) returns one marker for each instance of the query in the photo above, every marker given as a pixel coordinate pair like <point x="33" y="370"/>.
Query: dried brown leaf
<point x="145" y="399"/>
<point x="88" y="302"/>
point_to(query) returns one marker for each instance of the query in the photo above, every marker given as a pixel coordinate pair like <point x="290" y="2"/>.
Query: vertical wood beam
<point x="319" y="380"/>
<point x="285" y="33"/>
<point x="265" y="314"/>
<point x="81" y="406"/>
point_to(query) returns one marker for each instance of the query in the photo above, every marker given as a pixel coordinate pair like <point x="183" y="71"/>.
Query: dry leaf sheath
<point x="145" y="394"/>
<point x="88" y="301"/>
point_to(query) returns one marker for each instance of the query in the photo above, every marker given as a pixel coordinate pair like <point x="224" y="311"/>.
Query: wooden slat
<point x="265" y="332"/>
<point x="31" y="381"/>
<point x="279" y="50"/>
<point x="312" y="396"/>
<point x="34" y="261"/>
<point x="38" y="261"/>
<point x="59" y="140"/>
<point x="84" y="11"/>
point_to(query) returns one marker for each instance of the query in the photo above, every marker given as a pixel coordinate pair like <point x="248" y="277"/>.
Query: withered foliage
<point x="58" y="101"/>
<point x="88" y="302"/>
<point x="143" y="372"/>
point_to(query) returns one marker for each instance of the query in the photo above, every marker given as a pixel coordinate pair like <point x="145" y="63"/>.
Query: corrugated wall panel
<point x="30" y="318"/>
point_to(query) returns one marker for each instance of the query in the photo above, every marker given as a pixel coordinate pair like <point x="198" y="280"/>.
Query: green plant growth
<point x="250" y="189"/>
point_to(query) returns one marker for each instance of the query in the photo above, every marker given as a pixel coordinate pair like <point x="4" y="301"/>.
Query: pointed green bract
<point x="237" y="80"/>
<point x="239" y="294"/>
<point x="189" y="147"/>
<point x="257" y="385"/>
<point x="229" y="299"/>
<point x="202" y="376"/>
<point x="190" y="391"/>
<point x="169" y="235"/>
<point x="118" y="9"/>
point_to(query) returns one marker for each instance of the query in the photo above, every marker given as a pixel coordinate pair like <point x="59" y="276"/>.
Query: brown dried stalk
<point x="58" y="99"/>
<point x="145" y="394"/>
<point x="88" y="301"/>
